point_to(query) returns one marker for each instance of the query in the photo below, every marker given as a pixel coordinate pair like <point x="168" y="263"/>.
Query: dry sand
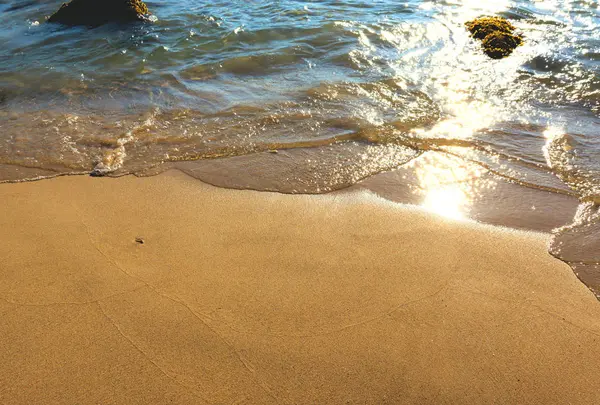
<point x="246" y="297"/>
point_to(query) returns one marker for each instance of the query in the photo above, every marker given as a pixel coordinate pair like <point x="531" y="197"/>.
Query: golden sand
<point x="258" y="298"/>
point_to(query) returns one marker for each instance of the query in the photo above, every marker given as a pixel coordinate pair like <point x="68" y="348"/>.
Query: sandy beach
<point x="167" y="290"/>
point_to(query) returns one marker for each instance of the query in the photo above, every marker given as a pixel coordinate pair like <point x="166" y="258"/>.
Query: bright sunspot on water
<point x="447" y="185"/>
<point x="448" y="201"/>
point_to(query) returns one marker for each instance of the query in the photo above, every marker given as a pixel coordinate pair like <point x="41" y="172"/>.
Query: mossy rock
<point x="94" y="13"/>
<point x="498" y="45"/>
<point x="483" y="26"/>
<point x="497" y="35"/>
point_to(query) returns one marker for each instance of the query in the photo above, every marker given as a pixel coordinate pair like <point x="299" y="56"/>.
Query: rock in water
<point x="483" y="26"/>
<point x="498" y="45"/>
<point x="94" y="13"/>
<point x="497" y="35"/>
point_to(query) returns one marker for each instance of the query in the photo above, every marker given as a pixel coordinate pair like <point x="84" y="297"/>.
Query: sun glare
<point x="447" y="185"/>
<point x="448" y="201"/>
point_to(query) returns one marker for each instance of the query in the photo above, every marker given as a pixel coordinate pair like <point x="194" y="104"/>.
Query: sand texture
<point x="240" y="297"/>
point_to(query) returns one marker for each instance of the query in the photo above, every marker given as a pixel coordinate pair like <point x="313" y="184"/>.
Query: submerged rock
<point x="497" y="35"/>
<point x="94" y="13"/>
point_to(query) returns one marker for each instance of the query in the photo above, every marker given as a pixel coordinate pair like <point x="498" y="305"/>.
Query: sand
<point x="245" y="297"/>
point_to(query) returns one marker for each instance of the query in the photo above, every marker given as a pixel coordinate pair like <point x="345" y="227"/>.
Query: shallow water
<point x="341" y="90"/>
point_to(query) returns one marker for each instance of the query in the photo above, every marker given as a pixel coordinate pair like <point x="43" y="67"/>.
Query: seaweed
<point x="498" y="45"/>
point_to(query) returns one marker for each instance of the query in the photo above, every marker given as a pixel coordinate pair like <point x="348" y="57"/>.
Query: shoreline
<point x="521" y="207"/>
<point x="260" y="297"/>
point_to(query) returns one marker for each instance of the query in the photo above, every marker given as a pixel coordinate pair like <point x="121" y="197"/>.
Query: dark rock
<point x="94" y="13"/>
<point x="497" y="35"/>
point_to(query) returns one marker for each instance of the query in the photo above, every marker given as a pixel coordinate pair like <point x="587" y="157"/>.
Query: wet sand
<point x="168" y="290"/>
<point x="438" y="181"/>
